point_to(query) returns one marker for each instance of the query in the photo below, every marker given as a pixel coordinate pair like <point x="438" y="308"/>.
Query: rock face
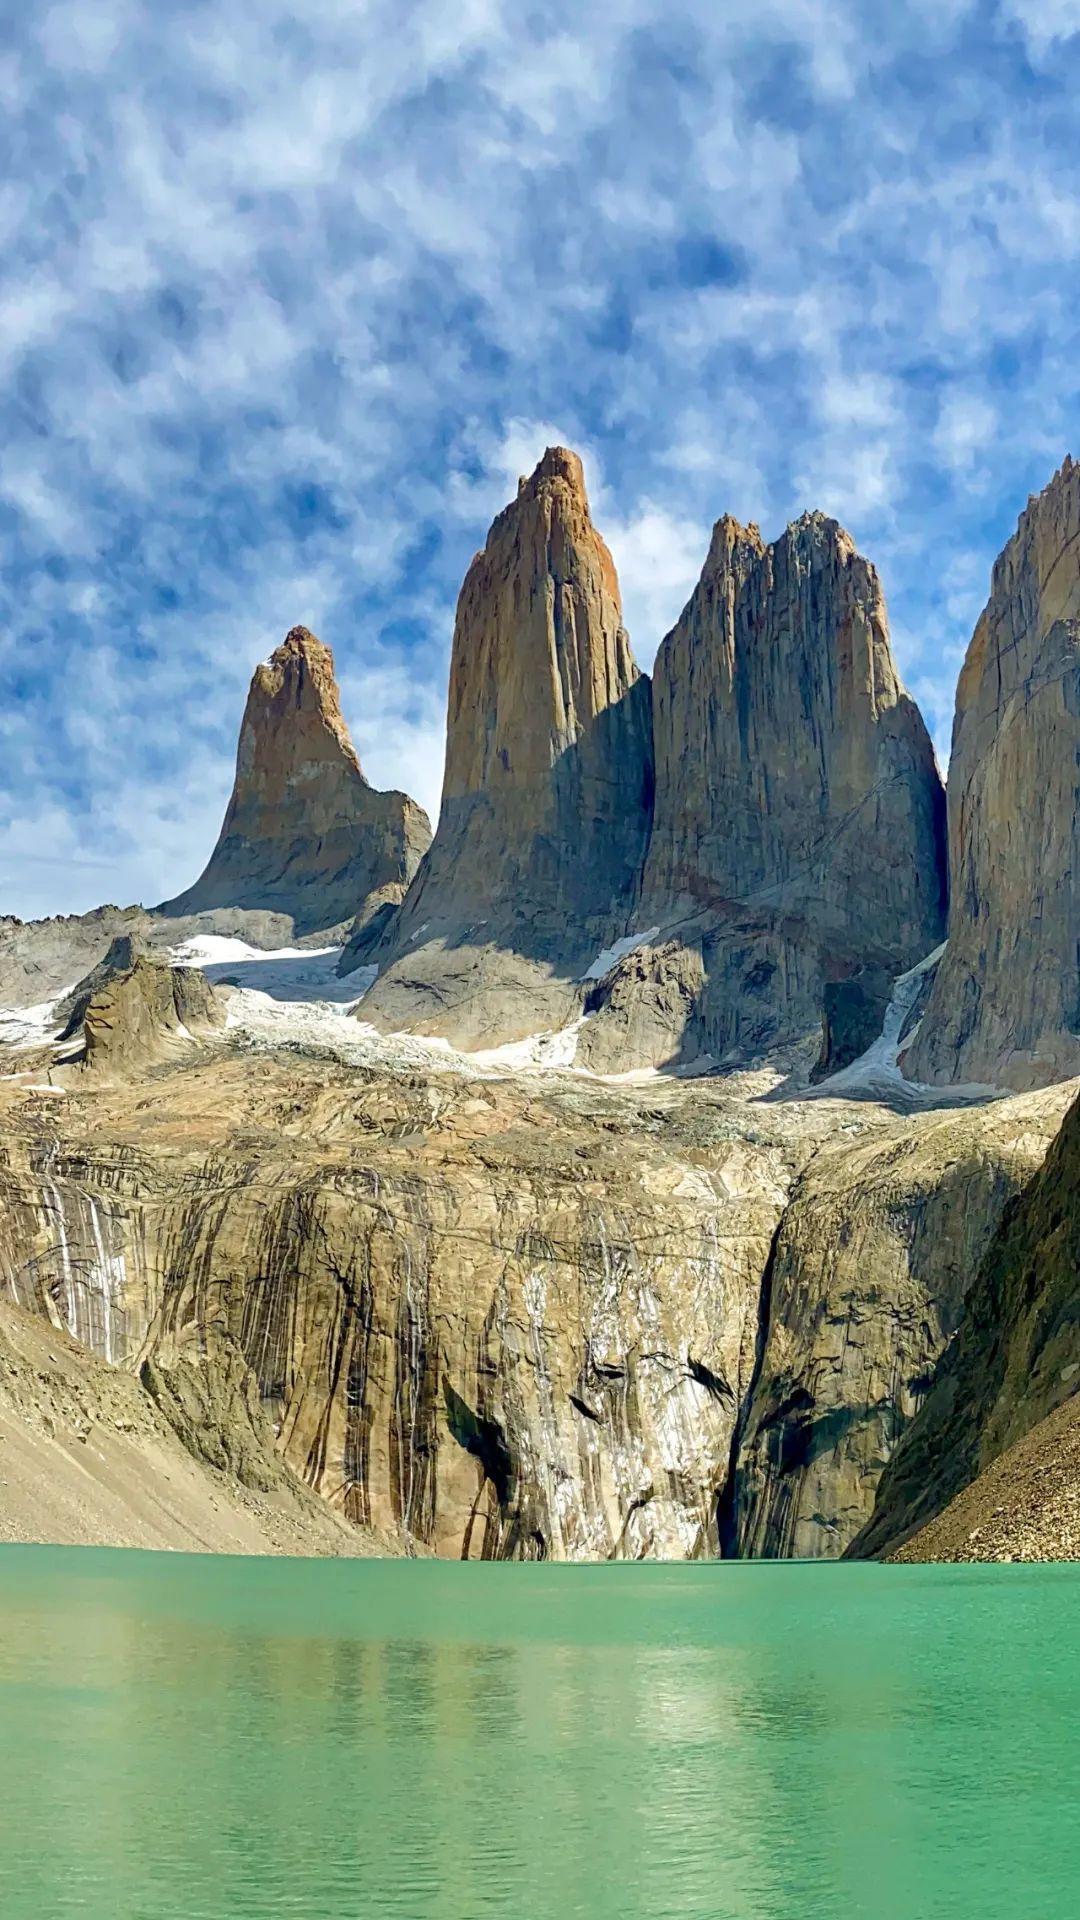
<point x="872" y="1261"/>
<point x="511" y="1321"/>
<point x="798" y="836"/>
<point x="40" y="959"/>
<point x="304" y="834"/>
<point x="139" y="1010"/>
<point x="90" y="1459"/>
<point x="1005" y="1007"/>
<point x="1024" y="1506"/>
<point x="548" y="787"/>
<point x="1015" y="1359"/>
<point x="506" y="1314"/>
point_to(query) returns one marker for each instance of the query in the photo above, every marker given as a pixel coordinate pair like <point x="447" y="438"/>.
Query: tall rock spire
<point x="797" y="859"/>
<point x="1005" y="1005"/>
<point x="305" y="834"/>
<point x="548" y="785"/>
<point x="791" y="763"/>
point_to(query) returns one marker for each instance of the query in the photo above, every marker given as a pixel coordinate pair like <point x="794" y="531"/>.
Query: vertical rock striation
<point x="548" y="786"/>
<point x="871" y="1264"/>
<point x="305" y="834"/>
<point x="490" y="1318"/>
<point x="798" y="837"/>
<point x="1015" y="1359"/>
<point x="1005" y="1007"/>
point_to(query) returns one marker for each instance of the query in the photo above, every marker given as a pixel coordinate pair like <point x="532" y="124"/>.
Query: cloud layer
<point x="288" y="299"/>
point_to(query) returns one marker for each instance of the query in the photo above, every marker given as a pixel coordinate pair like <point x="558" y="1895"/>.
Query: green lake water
<point x="187" y="1738"/>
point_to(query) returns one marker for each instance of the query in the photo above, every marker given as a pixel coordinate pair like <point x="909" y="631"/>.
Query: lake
<point x="189" y="1738"/>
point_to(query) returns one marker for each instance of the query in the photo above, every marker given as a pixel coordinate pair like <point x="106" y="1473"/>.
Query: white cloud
<point x="966" y="428"/>
<point x="287" y="306"/>
<point x="659" y="556"/>
<point x="1044" y="22"/>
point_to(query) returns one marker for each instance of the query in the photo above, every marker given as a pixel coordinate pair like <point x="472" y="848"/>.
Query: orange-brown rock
<point x="548" y="784"/>
<point x="1005" y="1006"/>
<point x="305" y="834"/>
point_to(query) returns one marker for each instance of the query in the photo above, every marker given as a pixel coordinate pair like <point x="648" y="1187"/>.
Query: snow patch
<point x="876" y="1074"/>
<point x="294" y="995"/>
<point x="556" y="1048"/>
<point x="23" y="1027"/>
<point x="294" y="974"/>
<point x="610" y="956"/>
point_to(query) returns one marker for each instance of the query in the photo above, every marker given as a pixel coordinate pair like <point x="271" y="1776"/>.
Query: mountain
<point x="495" y="1308"/>
<point x="797" y="860"/>
<point x="304" y="833"/>
<point x="1005" y="1006"/>
<point x="547" y="793"/>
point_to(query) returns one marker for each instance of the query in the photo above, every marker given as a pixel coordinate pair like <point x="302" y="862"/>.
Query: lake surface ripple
<point x="188" y="1738"/>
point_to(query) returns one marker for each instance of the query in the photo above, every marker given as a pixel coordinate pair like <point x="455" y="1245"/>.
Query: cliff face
<point x="1006" y="1002"/>
<point x="873" y="1258"/>
<point x="1015" y="1359"/>
<point x="548" y="787"/>
<point x="90" y="1459"/>
<point x="790" y="763"/>
<point x="304" y="834"/>
<point x="798" y="835"/>
<point x="506" y="1315"/>
<point x="513" y="1322"/>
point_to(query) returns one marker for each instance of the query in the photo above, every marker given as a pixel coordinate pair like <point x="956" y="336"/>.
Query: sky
<point x="289" y="298"/>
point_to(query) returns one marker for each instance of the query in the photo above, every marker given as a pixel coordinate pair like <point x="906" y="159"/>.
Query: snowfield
<point x="294" y="996"/>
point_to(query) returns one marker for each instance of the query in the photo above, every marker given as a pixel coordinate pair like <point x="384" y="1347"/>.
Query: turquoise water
<point x="204" y="1739"/>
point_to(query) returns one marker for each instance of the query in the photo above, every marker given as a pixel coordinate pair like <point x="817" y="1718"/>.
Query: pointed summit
<point x="539" y="650"/>
<point x="790" y="760"/>
<point x="304" y="833"/>
<point x="548" y="784"/>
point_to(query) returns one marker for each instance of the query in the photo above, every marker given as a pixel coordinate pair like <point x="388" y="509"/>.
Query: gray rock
<point x="144" y="1011"/>
<point x="40" y="959"/>
<point x="798" y="834"/>
<point x="1005" y="1006"/>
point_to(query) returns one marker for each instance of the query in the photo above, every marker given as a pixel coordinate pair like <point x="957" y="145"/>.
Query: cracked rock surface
<point x="1005" y="1006"/>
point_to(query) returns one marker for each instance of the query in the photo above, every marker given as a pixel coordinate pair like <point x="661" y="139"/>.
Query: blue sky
<point x="289" y="298"/>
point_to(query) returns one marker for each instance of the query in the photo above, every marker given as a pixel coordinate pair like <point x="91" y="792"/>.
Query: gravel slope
<point x="1025" y="1506"/>
<point x="86" y="1459"/>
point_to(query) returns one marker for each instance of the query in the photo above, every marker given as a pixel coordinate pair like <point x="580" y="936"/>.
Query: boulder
<point x="144" y="1012"/>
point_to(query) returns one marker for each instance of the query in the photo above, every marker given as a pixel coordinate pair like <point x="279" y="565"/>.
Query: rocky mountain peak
<point x="799" y="818"/>
<point x="548" y="784"/>
<point x="305" y="834"/>
<point x="732" y="547"/>
<point x="539" y="646"/>
<point x="293" y="717"/>
<point x="556" y="463"/>
<point x="1005" y="1006"/>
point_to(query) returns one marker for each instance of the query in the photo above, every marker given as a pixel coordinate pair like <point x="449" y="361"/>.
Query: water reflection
<point x="190" y="1738"/>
